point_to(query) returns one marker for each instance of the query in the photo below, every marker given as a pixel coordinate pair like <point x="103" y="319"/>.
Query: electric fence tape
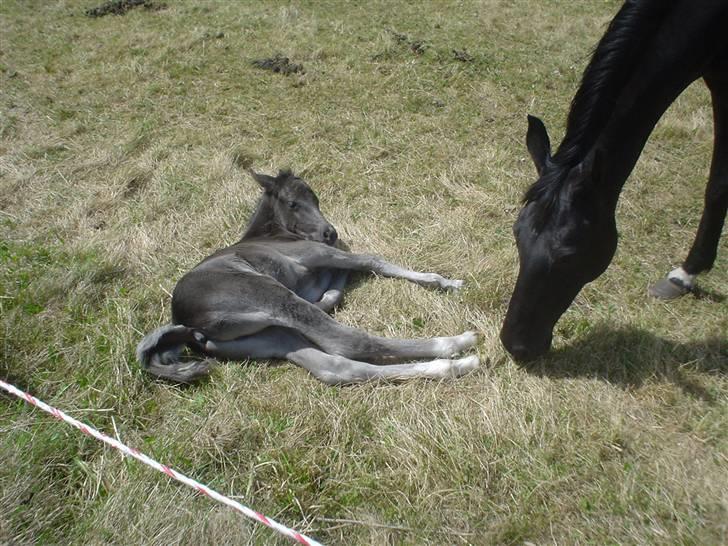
<point x="203" y="489"/>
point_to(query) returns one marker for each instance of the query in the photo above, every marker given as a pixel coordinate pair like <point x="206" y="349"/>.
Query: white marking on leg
<point x="465" y="365"/>
<point x="436" y="280"/>
<point x="337" y="370"/>
<point x="449" y="346"/>
<point x="683" y="276"/>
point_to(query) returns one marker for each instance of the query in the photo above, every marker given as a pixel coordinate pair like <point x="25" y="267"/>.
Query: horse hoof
<point x="668" y="289"/>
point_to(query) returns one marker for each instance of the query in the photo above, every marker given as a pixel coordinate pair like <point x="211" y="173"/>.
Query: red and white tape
<point x="90" y="431"/>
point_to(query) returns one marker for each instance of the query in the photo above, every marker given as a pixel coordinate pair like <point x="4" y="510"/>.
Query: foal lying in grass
<point x="267" y="296"/>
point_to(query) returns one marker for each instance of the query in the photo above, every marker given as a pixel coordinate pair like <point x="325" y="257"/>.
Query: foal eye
<point x="292" y="204"/>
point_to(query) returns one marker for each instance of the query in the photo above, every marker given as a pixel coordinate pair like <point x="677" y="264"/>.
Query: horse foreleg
<point x="705" y="247"/>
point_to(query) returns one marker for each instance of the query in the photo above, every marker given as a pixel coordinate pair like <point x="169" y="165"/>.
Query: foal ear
<point x="538" y="143"/>
<point x="266" y="182"/>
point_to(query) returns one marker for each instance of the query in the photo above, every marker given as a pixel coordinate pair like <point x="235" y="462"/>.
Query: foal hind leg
<point x="271" y="342"/>
<point x="338" y="370"/>
<point x="272" y="304"/>
<point x="334" y="338"/>
<point x="331" y="369"/>
<point x="355" y="344"/>
<point x="705" y="247"/>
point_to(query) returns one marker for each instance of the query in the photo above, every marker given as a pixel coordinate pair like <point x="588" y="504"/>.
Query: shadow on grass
<point x="705" y="294"/>
<point x="630" y="356"/>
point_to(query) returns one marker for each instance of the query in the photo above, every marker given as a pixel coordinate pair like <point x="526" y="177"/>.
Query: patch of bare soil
<point x="279" y="64"/>
<point x="462" y="55"/>
<point x="416" y="46"/>
<point x="120" y="7"/>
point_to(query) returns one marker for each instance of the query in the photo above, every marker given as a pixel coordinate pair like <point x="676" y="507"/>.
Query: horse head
<point x="566" y="237"/>
<point x="292" y="206"/>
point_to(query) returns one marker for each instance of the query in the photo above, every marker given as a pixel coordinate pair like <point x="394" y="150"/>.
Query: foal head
<point x="291" y="206"/>
<point x="566" y="237"/>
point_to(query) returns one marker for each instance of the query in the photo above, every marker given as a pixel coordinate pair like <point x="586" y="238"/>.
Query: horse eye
<point x="292" y="204"/>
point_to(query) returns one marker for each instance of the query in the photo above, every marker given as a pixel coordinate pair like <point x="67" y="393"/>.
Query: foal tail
<point x="160" y="351"/>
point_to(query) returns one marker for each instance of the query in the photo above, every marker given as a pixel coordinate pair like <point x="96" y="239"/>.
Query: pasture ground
<point x="123" y="143"/>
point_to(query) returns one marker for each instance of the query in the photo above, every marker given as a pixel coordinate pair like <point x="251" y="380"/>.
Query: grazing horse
<point x="566" y="232"/>
<point x="267" y="296"/>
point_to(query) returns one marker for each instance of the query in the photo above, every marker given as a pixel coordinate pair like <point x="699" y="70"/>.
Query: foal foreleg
<point x="333" y="257"/>
<point x="433" y="280"/>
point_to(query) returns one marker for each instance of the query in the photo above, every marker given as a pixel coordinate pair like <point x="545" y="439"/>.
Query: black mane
<point x="610" y="68"/>
<point x="262" y="222"/>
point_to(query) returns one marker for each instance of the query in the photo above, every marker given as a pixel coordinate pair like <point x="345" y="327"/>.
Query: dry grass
<point x="121" y="146"/>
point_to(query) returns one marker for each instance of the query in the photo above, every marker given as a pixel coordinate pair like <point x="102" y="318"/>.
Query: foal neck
<point x="264" y="223"/>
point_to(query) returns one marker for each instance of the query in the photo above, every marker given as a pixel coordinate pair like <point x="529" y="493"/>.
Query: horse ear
<point x="266" y="182"/>
<point x="538" y="143"/>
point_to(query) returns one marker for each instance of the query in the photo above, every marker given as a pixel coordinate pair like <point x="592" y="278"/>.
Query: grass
<point x="122" y="146"/>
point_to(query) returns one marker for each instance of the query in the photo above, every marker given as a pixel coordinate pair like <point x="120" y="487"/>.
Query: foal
<point x="267" y="296"/>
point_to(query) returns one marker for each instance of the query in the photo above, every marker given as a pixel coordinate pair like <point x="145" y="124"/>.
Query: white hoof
<point x="452" y="284"/>
<point x="465" y="365"/>
<point x="466" y="340"/>
<point x="451" y="346"/>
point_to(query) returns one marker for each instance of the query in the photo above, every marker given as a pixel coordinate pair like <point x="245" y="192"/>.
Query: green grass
<point x="122" y="147"/>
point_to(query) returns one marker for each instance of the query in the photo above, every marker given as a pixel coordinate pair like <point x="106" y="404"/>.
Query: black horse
<point x="566" y="232"/>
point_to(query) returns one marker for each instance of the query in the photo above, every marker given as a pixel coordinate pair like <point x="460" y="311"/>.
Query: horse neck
<point x="655" y="83"/>
<point x="263" y="221"/>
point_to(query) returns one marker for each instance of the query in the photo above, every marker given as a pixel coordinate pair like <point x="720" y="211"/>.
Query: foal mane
<point x="262" y="221"/>
<point x="612" y="64"/>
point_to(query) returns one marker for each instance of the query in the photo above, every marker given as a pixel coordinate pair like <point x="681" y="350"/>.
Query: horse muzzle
<point x="525" y="346"/>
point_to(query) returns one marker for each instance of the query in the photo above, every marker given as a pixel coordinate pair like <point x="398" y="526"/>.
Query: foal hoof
<point x="452" y="284"/>
<point x="465" y="365"/>
<point x="668" y="289"/>
<point x="451" y="346"/>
